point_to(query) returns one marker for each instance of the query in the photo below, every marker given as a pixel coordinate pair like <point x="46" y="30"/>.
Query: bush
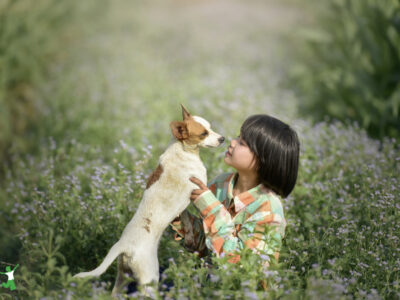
<point x="30" y="35"/>
<point x="350" y="69"/>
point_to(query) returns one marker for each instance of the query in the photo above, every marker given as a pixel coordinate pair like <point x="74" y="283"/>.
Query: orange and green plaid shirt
<point x="252" y="219"/>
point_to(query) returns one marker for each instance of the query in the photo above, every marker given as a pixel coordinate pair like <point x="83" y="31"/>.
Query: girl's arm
<point x="189" y="229"/>
<point x="262" y="231"/>
<point x="217" y="222"/>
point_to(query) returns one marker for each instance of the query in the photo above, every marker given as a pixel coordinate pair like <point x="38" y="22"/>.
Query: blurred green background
<point x="87" y="91"/>
<point x="350" y="65"/>
<point x="344" y="64"/>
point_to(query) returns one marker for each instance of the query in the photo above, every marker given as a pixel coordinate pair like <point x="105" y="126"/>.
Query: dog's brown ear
<point x="185" y="114"/>
<point x="179" y="130"/>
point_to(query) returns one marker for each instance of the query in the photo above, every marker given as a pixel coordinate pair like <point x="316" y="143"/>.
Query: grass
<point x="107" y="103"/>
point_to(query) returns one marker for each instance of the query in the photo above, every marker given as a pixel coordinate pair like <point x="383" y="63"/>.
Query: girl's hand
<point x="197" y="192"/>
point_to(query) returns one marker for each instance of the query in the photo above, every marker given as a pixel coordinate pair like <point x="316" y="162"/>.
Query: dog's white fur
<point x="163" y="201"/>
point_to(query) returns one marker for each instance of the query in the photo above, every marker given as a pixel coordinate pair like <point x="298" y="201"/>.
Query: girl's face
<point x="240" y="156"/>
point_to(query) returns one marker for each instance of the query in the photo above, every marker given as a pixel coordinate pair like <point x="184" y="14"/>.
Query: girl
<point x="244" y="209"/>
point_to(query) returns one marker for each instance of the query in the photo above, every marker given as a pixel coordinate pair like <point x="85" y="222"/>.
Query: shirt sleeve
<point x="218" y="224"/>
<point x="178" y="226"/>
<point x="262" y="231"/>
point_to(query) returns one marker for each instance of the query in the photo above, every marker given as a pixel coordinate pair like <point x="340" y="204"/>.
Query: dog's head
<point x="195" y="131"/>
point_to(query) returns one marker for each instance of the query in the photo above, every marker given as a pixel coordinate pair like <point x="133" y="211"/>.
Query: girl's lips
<point x="227" y="154"/>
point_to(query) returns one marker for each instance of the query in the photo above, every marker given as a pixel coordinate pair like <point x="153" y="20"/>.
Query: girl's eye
<point x="242" y="142"/>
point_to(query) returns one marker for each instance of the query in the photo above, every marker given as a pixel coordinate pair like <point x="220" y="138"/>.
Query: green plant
<point x="350" y="69"/>
<point x="30" y="38"/>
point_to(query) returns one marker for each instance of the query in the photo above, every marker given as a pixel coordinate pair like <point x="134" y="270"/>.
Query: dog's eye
<point x="204" y="133"/>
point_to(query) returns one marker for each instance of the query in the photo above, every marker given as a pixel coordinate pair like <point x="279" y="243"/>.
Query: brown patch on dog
<point x="147" y="227"/>
<point x="197" y="132"/>
<point x="188" y="130"/>
<point x="179" y="130"/>
<point x="154" y="176"/>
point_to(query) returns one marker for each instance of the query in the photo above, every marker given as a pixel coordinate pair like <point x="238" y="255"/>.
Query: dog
<point x="166" y="196"/>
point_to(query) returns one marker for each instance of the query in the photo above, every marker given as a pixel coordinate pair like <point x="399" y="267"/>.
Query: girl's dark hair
<point x="276" y="148"/>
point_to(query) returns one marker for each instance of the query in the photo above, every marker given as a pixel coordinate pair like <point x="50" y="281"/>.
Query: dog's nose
<point x="221" y="139"/>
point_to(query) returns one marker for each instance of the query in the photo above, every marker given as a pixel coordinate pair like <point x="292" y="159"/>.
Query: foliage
<point x="30" y="37"/>
<point x="350" y="68"/>
<point x="342" y="223"/>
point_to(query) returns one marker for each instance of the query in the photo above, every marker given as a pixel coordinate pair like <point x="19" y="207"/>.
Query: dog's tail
<point x="111" y="256"/>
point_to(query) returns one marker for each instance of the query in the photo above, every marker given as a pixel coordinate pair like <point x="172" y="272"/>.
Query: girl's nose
<point x="233" y="142"/>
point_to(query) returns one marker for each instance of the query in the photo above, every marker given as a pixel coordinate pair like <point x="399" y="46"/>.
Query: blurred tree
<point x="350" y="67"/>
<point x="32" y="36"/>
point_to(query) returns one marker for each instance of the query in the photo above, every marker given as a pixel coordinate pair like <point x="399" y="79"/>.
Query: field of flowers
<point x="105" y="108"/>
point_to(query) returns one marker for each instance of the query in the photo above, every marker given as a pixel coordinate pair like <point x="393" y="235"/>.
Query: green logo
<point x="10" y="284"/>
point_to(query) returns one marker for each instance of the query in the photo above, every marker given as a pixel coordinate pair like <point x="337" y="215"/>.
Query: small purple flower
<point x="214" y="278"/>
<point x="251" y="295"/>
<point x="264" y="257"/>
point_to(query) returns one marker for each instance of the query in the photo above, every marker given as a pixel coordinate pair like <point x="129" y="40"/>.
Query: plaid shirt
<point x="252" y="219"/>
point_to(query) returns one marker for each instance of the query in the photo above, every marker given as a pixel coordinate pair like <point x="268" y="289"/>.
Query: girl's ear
<point x="179" y="130"/>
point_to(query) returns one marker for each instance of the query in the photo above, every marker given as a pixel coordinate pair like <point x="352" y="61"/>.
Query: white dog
<point x="166" y="196"/>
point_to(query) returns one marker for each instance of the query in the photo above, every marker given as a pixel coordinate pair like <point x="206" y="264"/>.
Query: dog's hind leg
<point x="145" y="266"/>
<point x="123" y="269"/>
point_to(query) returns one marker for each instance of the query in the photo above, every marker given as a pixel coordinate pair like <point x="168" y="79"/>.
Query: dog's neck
<point x="195" y="149"/>
<point x="191" y="148"/>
